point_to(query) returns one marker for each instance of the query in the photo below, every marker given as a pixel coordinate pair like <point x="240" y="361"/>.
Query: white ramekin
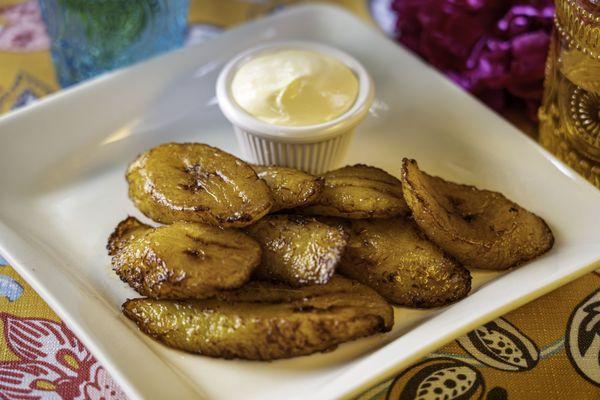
<point x="312" y="148"/>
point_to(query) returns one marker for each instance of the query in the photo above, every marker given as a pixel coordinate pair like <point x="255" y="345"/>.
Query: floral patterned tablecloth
<point x="547" y="349"/>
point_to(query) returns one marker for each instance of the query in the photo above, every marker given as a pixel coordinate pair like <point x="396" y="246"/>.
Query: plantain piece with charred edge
<point x="480" y="228"/>
<point x="290" y="187"/>
<point x="265" y="321"/>
<point x="297" y="250"/>
<point x="183" y="260"/>
<point x="197" y="183"/>
<point x="359" y="191"/>
<point x="127" y="230"/>
<point x="394" y="258"/>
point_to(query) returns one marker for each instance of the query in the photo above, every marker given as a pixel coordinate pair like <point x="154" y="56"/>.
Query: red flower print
<point x="103" y="387"/>
<point x="53" y="364"/>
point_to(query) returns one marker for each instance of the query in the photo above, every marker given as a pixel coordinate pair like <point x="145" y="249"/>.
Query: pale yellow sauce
<point x="295" y="87"/>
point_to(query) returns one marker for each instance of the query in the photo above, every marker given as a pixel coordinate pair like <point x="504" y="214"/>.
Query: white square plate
<point x="63" y="192"/>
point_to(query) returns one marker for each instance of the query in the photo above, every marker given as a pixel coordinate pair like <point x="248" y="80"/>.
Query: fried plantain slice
<point x="395" y="259"/>
<point x="265" y="321"/>
<point x="186" y="260"/>
<point x="359" y="191"/>
<point x="290" y="187"/>
<point x="197" y="183"/>
<point x="480" y="228"/>
<point x="128" y="229"/>
<point x="297" y="250"/>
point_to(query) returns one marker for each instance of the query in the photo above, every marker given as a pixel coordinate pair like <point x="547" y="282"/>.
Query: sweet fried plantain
<point x="297" y="250"/>
<point x="128" y="229"/>
<point x="197" y="183"/>
<point x="393" y="257"/>
<point x="290" y="187"/>
<point x="359" y="191"/>
<point x="265" y="321"/>
<point x="185" y="260"/>
<point x="480" y="228"/>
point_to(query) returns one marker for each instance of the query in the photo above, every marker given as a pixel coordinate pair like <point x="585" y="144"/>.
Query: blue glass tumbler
<point x="93" y="36"/>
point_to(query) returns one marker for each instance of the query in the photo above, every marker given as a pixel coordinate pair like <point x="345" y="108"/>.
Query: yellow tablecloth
<point x="547" y="349"/>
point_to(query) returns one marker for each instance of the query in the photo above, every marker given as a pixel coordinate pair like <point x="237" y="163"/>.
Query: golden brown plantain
<point x="290" y="187"/>
<point x="359" y="191"/>
<point x="481" y="228"/>
<point x="297" y="250"/>
<point x="265" y="321"/>
<point x="127" y="230"/>
<point x="197" y="183"/>
<point x="393" y="257"/>
<point x="186" y="260"/>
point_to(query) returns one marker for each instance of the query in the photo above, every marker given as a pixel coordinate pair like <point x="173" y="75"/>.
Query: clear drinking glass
<point x="93" y="36"/>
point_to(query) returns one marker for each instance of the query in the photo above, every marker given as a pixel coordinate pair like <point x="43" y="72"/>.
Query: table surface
<point x="547" y="349"/>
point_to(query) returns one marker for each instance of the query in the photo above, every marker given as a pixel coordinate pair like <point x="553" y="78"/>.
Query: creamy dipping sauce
<point x="295" y="87"/>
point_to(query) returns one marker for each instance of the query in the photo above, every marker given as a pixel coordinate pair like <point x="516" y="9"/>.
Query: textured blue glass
<point x="93" y="36"/>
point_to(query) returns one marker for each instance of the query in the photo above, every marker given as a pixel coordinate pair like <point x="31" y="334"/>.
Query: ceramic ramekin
<point x="312" y="148"/>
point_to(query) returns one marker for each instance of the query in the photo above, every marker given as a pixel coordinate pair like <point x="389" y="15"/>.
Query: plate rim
<point x="124" y="377"/>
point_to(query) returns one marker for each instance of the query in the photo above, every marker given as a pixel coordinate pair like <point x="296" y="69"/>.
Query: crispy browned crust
<point x="126" y="230"/>
<point x="290" y="187"/>
<point x="186" y="260"/>
<point x="357" y="192"/>
<point x="297" y="250"/>
<point x="480" y="228"/>
<point x="196" y="182"/>
<point x="245" y="325"/>
<point x="394" y="258"/>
